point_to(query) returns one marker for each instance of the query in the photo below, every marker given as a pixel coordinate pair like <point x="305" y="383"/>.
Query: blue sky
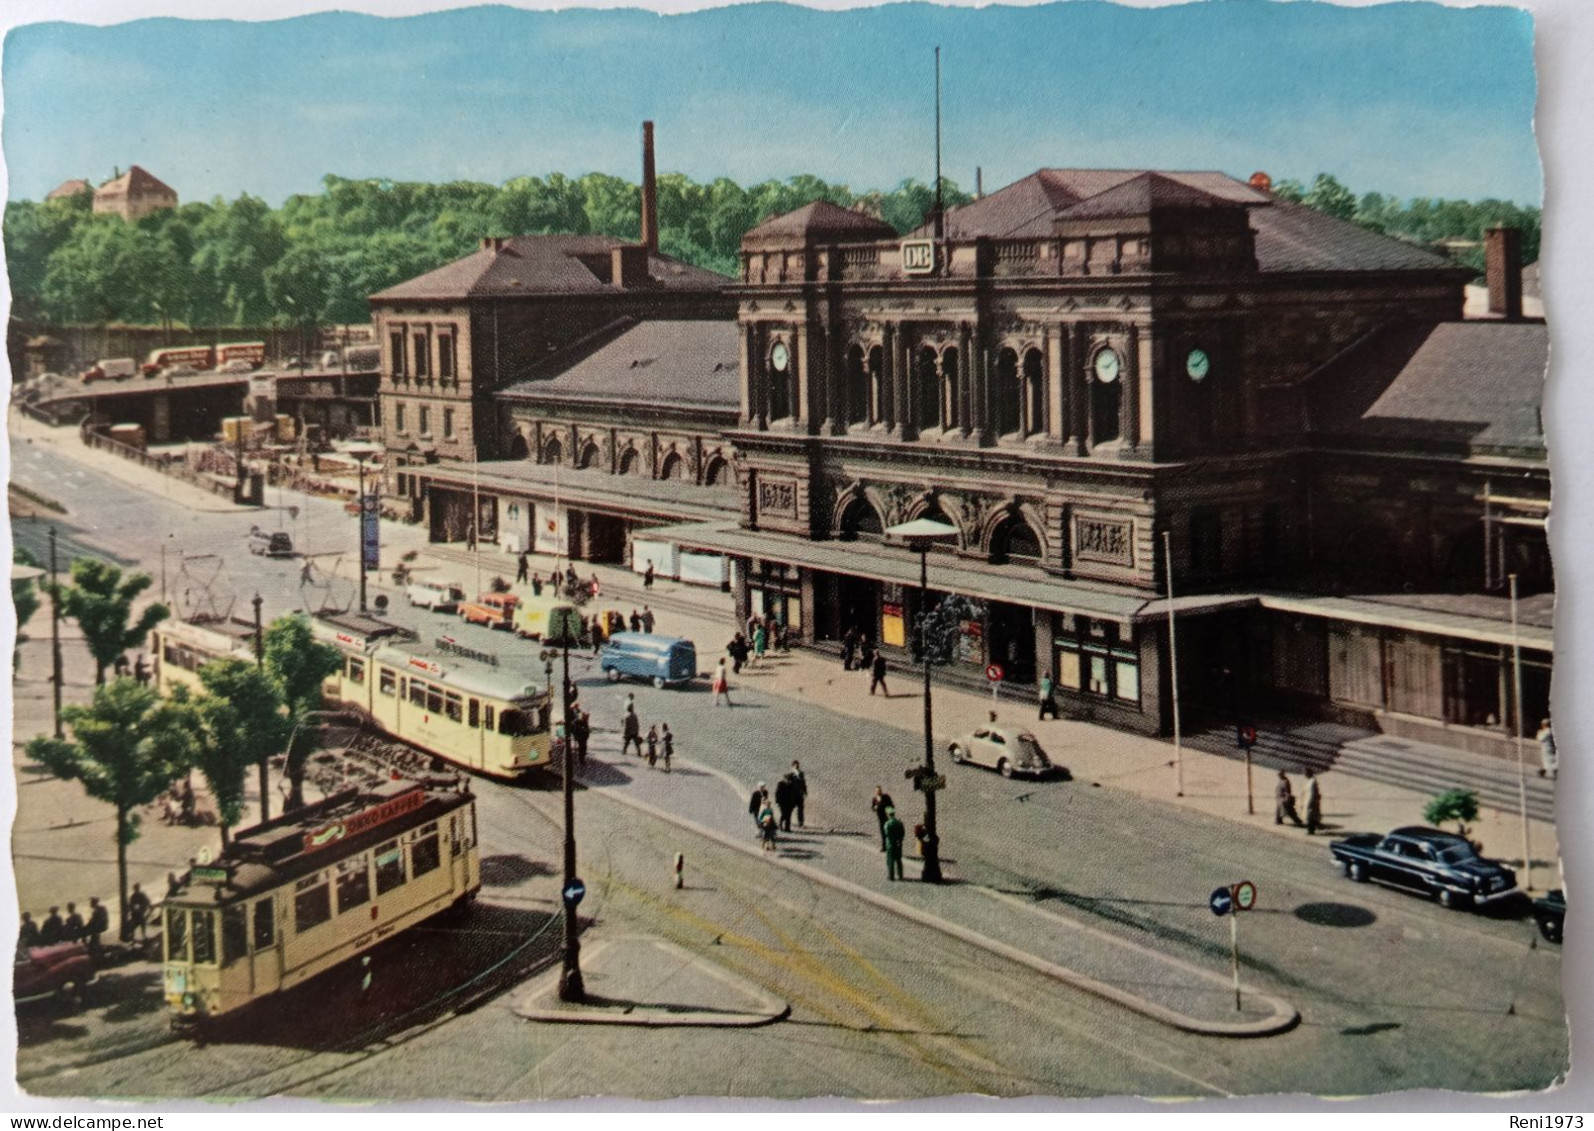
<point x="1410" y="99"/>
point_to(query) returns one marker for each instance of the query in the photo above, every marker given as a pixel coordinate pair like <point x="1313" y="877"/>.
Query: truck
<point x="175" y="357"/>
<point x="252" y="354"/>
<point x="110" y="369"/>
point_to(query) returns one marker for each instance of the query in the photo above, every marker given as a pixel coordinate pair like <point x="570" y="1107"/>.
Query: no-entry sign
<point x="994" y="673"/>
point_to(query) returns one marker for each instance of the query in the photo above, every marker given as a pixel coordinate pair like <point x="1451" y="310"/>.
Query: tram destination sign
<point x="455" y="648"/>
<point x="379" y="814"/>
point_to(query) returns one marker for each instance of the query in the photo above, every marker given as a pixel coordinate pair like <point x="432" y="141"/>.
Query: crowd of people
<point x="659" y="741"/>
<point x="75" y="927"/>
<point x="773" y="812"/>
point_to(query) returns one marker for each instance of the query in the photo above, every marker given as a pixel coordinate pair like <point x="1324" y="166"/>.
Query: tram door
<point x="459" y="836"/>
<point x="265" y="956"/>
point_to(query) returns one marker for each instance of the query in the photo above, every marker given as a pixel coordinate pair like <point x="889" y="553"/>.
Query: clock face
<point x="1106" y="367"/>
<point x="779" y="357"/>
<point x="1197" y="364"/>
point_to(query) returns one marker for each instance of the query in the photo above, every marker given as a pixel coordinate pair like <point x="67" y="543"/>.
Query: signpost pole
<point x="1234" y="951"/>
<point x="1250" y="797"/>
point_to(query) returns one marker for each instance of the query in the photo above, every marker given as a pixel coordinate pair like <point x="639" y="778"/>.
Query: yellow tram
<point x="443" y="697"/>
<point x="181" y="648"/>
<point x="297" y="895"/>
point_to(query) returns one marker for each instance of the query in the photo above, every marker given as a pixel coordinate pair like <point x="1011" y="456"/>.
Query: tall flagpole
<point x="1173" y="667"/>
<point x="476" y="511"/>
<point x="940" y="230"/>
<point x="1522" y="771"/>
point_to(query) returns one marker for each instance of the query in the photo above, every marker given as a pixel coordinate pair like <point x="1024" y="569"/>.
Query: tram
<point x="442" y="697"/>
<point x="295" y="896"/>
<point x="181" y="648"/>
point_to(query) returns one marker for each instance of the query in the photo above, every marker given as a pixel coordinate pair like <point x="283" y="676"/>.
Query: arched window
<point x="926" y="389"/>
<point x="1034" y="393"/>
<point x="716" y="473"/>
<point x="951" y="390"/>
<point x="553" y="451"/>
<point x="878" y="397"/>
<point x="1016" y="541"/>
<point x="861" y="521"/>
<point x="674" y="467"/>
<point x="934" y="513"/>
<point x="1106" y="396"/>
<point x="1006" y="395"/>
<point x="857" y="388"/>
<point x="591" y="455"/>
<point x="630" y="463"/>
<point x="518" y="449"/>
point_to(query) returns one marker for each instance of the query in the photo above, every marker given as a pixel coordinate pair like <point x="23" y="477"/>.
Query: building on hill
<point x="68" y="189"/>
<point x="134" y="194"/>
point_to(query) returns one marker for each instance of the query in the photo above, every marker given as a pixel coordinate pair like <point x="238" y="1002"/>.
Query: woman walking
<point x="668" y="741"/>
<point x="653" y="747"/>
<point x="760" y="642"/>
<point x="722" y="685"/>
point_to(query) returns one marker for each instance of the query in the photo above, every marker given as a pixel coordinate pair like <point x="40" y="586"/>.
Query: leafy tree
<point x="238" y="723"/>
<point x="1458" y="805"/>
<point x="1330" y="197"/>
<point x="613" y="206"/>
<point x="24" y="601"/>
<point x="942" y="628"/>
<point x="235" y="246"/>
<point x="101" y="600"/>
<point x="1290" y="190"/>
<point x="298" y="664"/>
<point x="127" y="746"/>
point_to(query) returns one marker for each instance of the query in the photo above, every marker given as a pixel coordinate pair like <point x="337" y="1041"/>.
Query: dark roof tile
<point x="544" y="265"/>
<point x="680" y="362"/>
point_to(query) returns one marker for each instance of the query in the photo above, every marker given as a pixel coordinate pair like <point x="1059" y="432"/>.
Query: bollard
<point x="680" y="869"/>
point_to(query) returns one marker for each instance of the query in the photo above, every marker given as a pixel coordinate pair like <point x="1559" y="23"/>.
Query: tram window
<point x="204" y="937"/>
<point x="387" y="681"/>
<point x="265" y="924"/>
<point x="452" y="707"/>
<point x="312" y="906"/>
<point x="234" y="933"/>
<point x="475" y="712"/>
<point x="356" y="670"/>
<point x="517" y="722"/>
<point x="176" y="934"/>
<point x="487" y="717"/>
<point x="434" y="700"/>
<point x="425" y="854"/>
<point x="389" y="867"/>
<point x="354" y="884"/>
<point x="417" y="693"/>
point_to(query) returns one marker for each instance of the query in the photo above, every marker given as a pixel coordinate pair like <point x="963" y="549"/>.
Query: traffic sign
<point x="930" y="782"/>
<point x="1221" y="902"/>
<point x="1244" y="895"/>
<point x="994" y="673"/>
<point x="574" y="891"/>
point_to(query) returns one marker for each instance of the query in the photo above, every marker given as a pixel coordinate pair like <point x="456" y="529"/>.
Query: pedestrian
<point x="849" y="648"/>
<point x="53" y="930"/>
<point x="802" y="789"/>
<point x="120" y="667"/>
<point x="882" y="804"/>
<point x="1549" y="761"/>
<point x="595" y="585"/>
<point x="631" y="731"/>
<point x="894" y="834"/>
<point x="785" y="801"/>
<point x="536" y="583"/>
<point x="570" y="577"/>
<point x="636" y="621"/>
<point x="1047" y="687"/>
<point x="877" y="675"/>
<point x="1284" y="801"/>
<point x="738" y="650"/>
<point x="141" y="670"/>
<point x="668" y="741"/>
<point x="186" y="802"/>
<point x="174" y="886"/>
<point x="522" y="568"/>
<point x="752" y="623"/>
<point x="647" y="619"/>
<point x="722" y="686"/>
<point x="647" y="578"/>
<point x="74" y="930"/>
<point x="99" y="922"/>
<point x="766" y="826"/>
<point x="28" y="935"/>
<point x="581" y="731"/>
<point x="755" y="804"/>
<point x="470" y="537"/>
<point x="137" y="915"/>
<point x="760" y="642"/>
<point x="653" y="746"/>
<point x="1314" y="804"/>
<point x="307" y="572"/>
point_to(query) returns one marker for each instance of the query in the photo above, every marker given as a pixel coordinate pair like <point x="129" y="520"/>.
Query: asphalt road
<point x="1394" y="992"/>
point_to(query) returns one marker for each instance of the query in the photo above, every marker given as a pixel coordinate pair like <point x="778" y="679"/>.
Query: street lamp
<point x="562" y="628"/>
<point x="55" y="635"/>
<point x="920" y="535"/>
<point x="361" y="453"/>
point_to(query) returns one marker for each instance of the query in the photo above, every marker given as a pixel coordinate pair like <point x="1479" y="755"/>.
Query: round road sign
<point x="994" y="673"/>
<point x="574" y="891"/>
<point x="1221" y="902"/>
<point x="1244" y="895"/>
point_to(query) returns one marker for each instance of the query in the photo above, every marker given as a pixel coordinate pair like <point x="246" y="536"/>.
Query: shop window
<point x="312" y="904"/>
<point x="234" y="933"/>
<point x="354" y="884"/>
<point x="265" y="924"/>
<point x="1094" y="657"/>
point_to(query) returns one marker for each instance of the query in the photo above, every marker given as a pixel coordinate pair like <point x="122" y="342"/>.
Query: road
<point x="1394" y="992"/>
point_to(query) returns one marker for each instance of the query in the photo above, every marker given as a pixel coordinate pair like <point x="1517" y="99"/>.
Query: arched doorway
<point x="674" y="467"/>
<point x="553" y="452"/>
<point x="716" y="473"/>
<point x="860" y="521"/>
<point x="1007" y="401"/>
<point x="590" y="455"/>
<point x="926" y="390"/>
<point x="518" y="448"/>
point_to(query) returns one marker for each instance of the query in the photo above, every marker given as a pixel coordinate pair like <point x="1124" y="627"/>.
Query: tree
<point x="127" y="746"/>
<point x="298" y="664"/>
<point x="101" y="601"/>
<point x="1330" y="197"/>
<point x="24" y="597"/>
<point x="1458" y="805"/>
<point x="942" y="628"/>
<point x="237" y="722"/>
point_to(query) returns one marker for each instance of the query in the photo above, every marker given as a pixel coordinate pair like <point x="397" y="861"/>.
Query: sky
<point x="1408" y="99"/>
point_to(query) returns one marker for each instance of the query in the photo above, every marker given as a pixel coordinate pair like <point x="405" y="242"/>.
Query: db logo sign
<point x="918" y="257"/>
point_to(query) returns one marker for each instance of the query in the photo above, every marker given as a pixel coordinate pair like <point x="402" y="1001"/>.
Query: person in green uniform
<point x="894" y="836"/>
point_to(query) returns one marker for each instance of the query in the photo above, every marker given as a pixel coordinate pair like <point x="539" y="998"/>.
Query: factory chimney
<point x="650" y="193"/>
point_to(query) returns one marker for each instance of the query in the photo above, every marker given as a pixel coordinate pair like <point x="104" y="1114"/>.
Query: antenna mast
<point x="939" y="232"/>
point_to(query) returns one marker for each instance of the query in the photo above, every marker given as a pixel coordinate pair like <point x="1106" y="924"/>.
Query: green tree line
<point x="315" y="259"/>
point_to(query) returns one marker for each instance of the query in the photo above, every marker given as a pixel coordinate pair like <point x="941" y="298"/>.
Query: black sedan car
<point x="1549" y="911"/>
<point x="1432" y="862"/>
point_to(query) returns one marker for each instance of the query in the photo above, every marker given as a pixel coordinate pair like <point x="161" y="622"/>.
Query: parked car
<point x="641" y="655"/>
<point x="45" y="971"/>
<point x="1549" y="911"/>
<point x="495" y="610"/>
<point x="1010" y="751"/>
<point x="275" y="544"/>
<point x="437" y="595"/>
<point x="1431" y="862"/>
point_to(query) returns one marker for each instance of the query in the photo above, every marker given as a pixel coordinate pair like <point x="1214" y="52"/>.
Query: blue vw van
<point x="662" y="659"/>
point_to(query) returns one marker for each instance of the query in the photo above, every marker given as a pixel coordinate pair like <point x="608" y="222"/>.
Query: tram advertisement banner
<point x="370" y="532"/>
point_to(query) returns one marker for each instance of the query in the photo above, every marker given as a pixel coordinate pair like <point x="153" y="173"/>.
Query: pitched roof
<point x="137" y="181"/>
<point x="545" y="265"/>
<point x="75" y="187"/>
<point x="1289" y="237"/>
<point x="1478" y="386"/>
<point x="822" y="222"/>
<point x="691" y="363"/>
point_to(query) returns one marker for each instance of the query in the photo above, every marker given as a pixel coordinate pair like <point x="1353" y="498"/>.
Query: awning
<point x="1412" y="618"/>
<point x="624" y="496"/>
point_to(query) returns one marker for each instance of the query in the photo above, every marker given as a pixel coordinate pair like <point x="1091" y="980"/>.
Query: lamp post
<point x="361" y="453"/>
<point x="562" y="630"/>
<point x="55" y="636"/>
<point x="260" y="665"/>
<point x="920" y="535"/>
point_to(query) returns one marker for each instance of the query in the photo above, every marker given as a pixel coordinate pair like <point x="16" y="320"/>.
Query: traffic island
<point x="636" y="980"/>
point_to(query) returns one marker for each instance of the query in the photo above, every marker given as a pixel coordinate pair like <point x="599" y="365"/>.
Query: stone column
<point x="747" y="373"/>
<point x="803" y="402"/>
<point x="903" y="386"/>
<point x="1131" y="399"/>
<point x="965" y="370"/>
<point x="888" y="377"/>
<point x="1056" y="369"/>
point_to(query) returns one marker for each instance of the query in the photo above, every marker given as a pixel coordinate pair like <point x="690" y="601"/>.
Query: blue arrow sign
<point x="575" y="890"/>
<point x="1221" y="902"/>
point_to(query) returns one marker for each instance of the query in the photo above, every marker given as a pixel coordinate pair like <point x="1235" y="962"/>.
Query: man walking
<point x="1284" y="801"/>
<point x="801" y="781"/>
<point x="1314" y="804"/>
<point x="1047" y="687"/>
<point x="522" y="569"/>
<point x="647" y="578"/>
<point x="99" y="922"/>
<point x="647" y="619"/>
<point x="630" y="731"/>
<point x="882" y="805"/>
<point x="580" y="731"/>
<point x="894" y="833"/>
<point x="1549" y="760"/>
<point x="138" y="915"/>
<point x="785" y="801"/>
<point x="849" y="648"/>
<point x="668" y="740"/>
<point x="877" y="675"/>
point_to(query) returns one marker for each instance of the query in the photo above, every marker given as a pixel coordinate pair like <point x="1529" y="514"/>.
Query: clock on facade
<point x="1106" y="367"/>
<point x="779" y="357"/>
<point x="1197" y="364"/>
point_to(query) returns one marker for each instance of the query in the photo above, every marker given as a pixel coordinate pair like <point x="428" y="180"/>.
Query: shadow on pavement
<point x="1335" y="915"/>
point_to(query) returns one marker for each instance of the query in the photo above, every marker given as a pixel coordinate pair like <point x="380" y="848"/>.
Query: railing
<point x="166" y="465"/>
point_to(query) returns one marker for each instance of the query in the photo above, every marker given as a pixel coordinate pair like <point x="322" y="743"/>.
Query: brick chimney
<point x="650" y="193"/>
<point x="1502" y="270"/>
<point x="493" y="243"/>
<point x="629" y="266"/>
